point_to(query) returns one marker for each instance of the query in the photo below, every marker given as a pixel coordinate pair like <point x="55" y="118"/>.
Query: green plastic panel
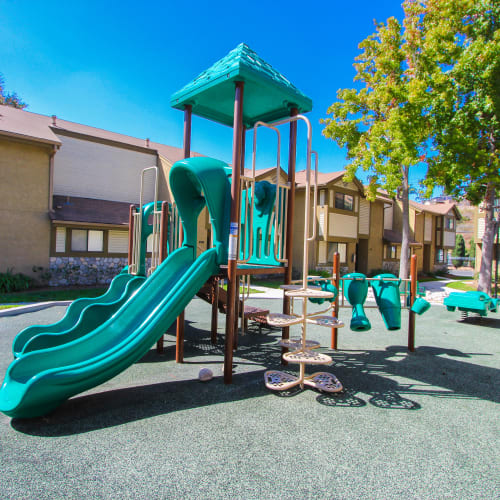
<point x="55" y="332"/>
<point x="39" y="381"/>
<point x="268" y="96"/>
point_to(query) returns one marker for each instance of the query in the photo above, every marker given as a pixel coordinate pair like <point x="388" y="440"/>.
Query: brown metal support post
<point x="413" y="294"/>
<point x="163" y="254"/>
<point x="232" y="282"/>
<point x="131" y="213"/>
<point x="292" y="157"/>
<point x="179" y="343"/>
<point x="336" y="284"/>
<point x="237" y="311"/>
<point x="215" y="308"/>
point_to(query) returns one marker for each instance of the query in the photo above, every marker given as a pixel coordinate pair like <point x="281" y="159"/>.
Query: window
<point x="439" y="255"/>
<point x="118" y="241"/>
<point x="322" y="197"/>
<point x="60" y="239"/>
<point x="450" y="223"/>
<point x="392" y="252"/>
<point x="344" y="201"/>
<point x="341" y="248"/>
<point x="83" y="240"/>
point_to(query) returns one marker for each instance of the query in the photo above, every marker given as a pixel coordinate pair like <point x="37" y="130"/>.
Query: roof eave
<point x="29" y="138"/>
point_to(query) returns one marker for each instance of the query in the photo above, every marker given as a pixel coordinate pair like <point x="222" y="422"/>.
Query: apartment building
<point x="432" y="234"/>
<point x="479" y="228"/>
<point x="66" y="191"/>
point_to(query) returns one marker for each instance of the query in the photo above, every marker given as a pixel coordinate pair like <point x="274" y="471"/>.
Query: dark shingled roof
<point x="74" y="209"/>
<point x="395" y="237"/>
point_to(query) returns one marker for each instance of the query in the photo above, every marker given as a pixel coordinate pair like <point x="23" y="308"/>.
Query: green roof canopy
<point x="267" y="96"/>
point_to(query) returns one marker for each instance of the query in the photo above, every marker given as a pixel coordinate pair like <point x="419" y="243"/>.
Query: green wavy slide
<point x="40" y="380"/>
<point x="82" y="316"/>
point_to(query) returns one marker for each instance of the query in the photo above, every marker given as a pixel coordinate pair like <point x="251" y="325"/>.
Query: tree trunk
<point x="484" y="283"/>
<point x="405" y="237"/>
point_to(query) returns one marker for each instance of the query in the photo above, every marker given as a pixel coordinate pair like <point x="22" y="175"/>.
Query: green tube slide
<point x="39" y="381"/>
<point x="356" y="290"/>
<point x="387" y="296"/>
<point x="117" y="291"/>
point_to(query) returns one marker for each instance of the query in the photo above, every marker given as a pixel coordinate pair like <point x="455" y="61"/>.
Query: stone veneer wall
<point x="391" y="266"/>
<point x="66" y="271"/>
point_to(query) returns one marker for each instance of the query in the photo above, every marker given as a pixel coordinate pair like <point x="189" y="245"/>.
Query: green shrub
<point x="459" y="251"/>
<point x="43" y="275"/>
<point x="10" y="282"/>
<point x="374" y="272"/>
<point x="323" y="273"/>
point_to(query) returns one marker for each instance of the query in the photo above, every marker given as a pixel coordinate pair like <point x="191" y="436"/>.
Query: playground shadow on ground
<point x="482" y="321"/>
<point x="388" y="379"/>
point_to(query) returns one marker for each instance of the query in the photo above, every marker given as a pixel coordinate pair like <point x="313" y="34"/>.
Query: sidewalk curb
<point x="37" y="306"/>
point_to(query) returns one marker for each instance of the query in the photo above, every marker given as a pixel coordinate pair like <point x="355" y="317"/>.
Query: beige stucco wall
<point x="24" y="191"/>
<point x="91" y="169"/>
<point x="164" y="167"/>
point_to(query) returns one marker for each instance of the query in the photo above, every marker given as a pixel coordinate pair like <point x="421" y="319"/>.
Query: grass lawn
<point x="464" y="286"/>
<point x="9" y="307"/>
<point x="268" y="283"/>
<point x="45" y="295"/>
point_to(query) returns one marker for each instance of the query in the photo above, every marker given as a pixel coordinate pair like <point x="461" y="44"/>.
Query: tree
<point x="10" y="99"/>
<point x="472" y="249"/>
<point x="459" y="251"/>
<point x="385" y="125"/>
<point x="465" y="104"/>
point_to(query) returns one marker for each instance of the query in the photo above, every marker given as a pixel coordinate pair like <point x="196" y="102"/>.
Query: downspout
<point x="51" y="178"/>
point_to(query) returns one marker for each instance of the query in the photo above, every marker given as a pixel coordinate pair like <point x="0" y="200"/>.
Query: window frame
<point x="439" y="251"/>
<point x="87" y="231"/>
<point x="340" y="201"/>
<point x="69" y="252"/>
<point x="336" y="249"/>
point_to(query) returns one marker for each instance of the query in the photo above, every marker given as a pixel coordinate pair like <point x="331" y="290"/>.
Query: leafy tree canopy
<point x="465" y="105"/>
<point x="10" y="99"/>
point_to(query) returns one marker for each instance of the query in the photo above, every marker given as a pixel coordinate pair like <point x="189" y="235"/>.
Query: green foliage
<point x="10" y="282"/>
<point x="10" y="99"/>
<point x="472" y="249"/>
<point x="374" y="272"/>
<point x="429" y="93"/>
<point x="322" y="273"/>
<point x="465" y="104"/>
<point x="385" y="124"/>
<point x="458" y="251"/>
<point x="43" y="275"/>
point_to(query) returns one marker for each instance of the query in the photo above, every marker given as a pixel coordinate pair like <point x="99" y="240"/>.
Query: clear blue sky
<point x="114" y="64"/>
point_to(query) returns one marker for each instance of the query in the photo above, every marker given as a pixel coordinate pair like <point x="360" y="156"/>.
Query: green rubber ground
<point x="422" y="425"/>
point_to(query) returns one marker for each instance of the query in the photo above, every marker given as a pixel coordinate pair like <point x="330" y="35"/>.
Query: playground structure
<point x="478" y="303"/>
<point x="252" y="234"/>
<point x="391" y="294"/>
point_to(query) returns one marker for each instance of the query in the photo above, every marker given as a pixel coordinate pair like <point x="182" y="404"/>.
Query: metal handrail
<point x="137" y="240"/>
<point x="311" y="238"/>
